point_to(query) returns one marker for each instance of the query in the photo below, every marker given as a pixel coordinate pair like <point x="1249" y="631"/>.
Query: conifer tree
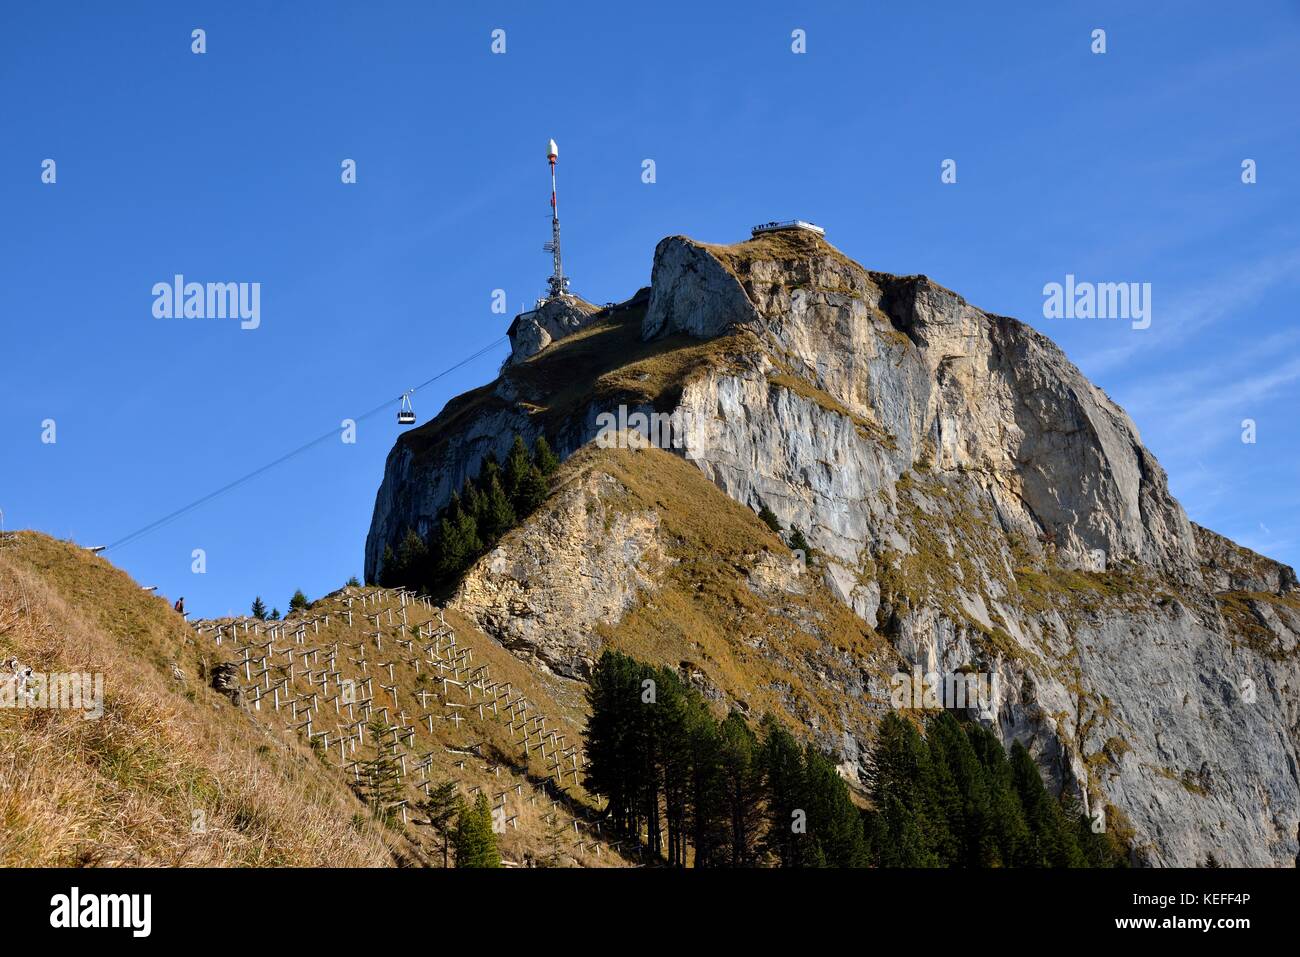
<point x="646" y="756"/>
<point x="387" y="568"/>
<point x="412" y="560"/>
<point x="678" y="778"/>
<point x="531" y="492"/>
<point x="1099" y="848"/>
<point x="895" y="761"/>
<point x="474" y="502"/>
<point x="498" y="513"/>
<point x="769" y="519"/>
<point x="1054" y="844"/>
<point x="671" y="712"/>
<point x="518" y="462"/>
<point x="259" y="608"/>
<point x="904" y="844"/>
<point x="640" y="753"/>
<point x="942" y="801"/>
<point x="903" y="787"/>
<point x="476" y="494"/>
<point x="458" y="541"/>
<point x="555" y="836"/>
<point x="784" y="793"/>
<point x="485" y="508"/>
<point x="298" y="603"/>
<point x="798" y="542"/>
<point x="613" y="695"/>
<point x="743" y="790"/>
<point x="440" y="808"/>
<point x="474" y="839"/>
<point x="970" y="813"/>
<point x="381" y="776"/>
<point x="545" y="459"/>
<point x="708" y="822"/>
<point x="275" y="614"/>
<point x="1008" y="830"/>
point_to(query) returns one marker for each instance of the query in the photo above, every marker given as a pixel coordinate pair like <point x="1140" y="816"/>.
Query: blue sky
<point x="225" y="166"/>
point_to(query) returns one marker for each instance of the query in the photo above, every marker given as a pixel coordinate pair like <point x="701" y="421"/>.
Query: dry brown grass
<point x="787" y="245"/>
<point x="124" y="789"/>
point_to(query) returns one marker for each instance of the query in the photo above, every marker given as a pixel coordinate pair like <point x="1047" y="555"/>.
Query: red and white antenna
<point x="557" y="281"/>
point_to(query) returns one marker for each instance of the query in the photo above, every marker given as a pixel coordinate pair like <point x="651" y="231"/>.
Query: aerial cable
<point x="403" y="399"/>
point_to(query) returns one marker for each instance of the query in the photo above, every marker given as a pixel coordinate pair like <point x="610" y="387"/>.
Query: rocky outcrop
<point x="1229" y="567"/>
<point x="639" y="551"/>
<point x="707" y="305"/>
<point x="420" y="478"/>
<point x="581" y="564"/>
<point x="554" y="318"/>
<point x="225" y="681"/>
<point x="967" y="493"/>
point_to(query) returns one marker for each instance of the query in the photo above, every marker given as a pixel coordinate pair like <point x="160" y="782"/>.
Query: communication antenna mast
<point x="558" y="282"/>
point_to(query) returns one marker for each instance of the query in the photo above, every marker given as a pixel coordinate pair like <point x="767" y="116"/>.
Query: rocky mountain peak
<point x="967" y="497"/>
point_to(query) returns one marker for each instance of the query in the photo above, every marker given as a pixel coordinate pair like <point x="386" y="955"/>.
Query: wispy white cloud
<point x="1236" y="395"/>
<point x="1224" y="296"/>
<point x="1157" y="393"/>
<point x="1268" y="544"/>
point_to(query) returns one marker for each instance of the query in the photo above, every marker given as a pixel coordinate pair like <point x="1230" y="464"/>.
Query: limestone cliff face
<point x="968" y="494"/>
<point x="419" y="479"/>
<point x="951" y="385"/>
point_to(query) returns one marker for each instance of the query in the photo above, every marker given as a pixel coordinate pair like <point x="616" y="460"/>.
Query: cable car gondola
<point x="406" y="414"/>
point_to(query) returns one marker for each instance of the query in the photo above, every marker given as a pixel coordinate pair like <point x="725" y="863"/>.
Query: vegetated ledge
<point x="1244" y="613"/>
<point x="602" y="365"/>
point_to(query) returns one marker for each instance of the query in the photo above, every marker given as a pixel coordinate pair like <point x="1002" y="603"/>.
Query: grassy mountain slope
<point x="442" y="727"/>
<point x="169" y="751"/>
<point x="168" y="755"/>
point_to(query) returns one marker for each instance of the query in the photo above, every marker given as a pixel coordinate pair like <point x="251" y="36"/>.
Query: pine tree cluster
<point x="952" y="798"/>
<point x="718" y="794"/>
<point x="485" y="509"/>
<point x="712" y="792"/>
